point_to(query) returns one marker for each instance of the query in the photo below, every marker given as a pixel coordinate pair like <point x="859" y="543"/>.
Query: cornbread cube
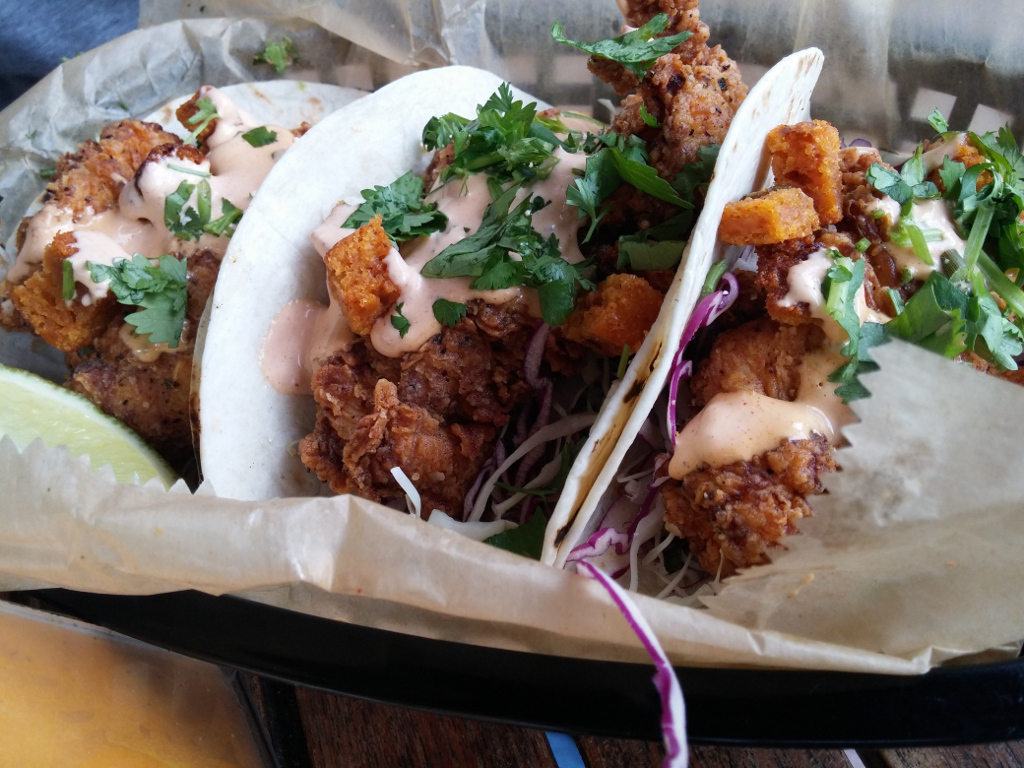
<point x="773" y="217"/>
<point x="357" y="276"/>
<point x="806" y="155"/>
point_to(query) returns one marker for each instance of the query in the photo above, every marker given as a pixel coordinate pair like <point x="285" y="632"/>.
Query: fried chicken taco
<point x="461" y="288"/>
<point x="842" y="252"/>
<point x="113" y="266"/>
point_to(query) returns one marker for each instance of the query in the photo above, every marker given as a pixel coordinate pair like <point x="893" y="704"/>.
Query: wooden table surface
<point x="313" y="729"/>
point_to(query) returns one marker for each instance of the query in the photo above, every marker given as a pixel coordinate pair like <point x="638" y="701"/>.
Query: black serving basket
<point x="957" y="705"/>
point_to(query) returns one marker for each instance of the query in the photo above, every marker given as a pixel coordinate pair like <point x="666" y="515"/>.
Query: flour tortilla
<point x="248" y="428"/>
<point x="781" y="96"/>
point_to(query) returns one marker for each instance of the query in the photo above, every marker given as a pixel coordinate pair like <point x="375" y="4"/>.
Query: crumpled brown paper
<point x="62" y="524"/>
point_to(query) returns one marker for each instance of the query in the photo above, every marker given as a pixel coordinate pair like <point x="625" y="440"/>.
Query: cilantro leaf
<point x="696" y="175"/>
<point x="280" y="55"/>
<point x="47" y="173"/>
<point x="934" y="317"/>
<point x="636" y="50"/>
<point x="938" y="122"/>
<point x="67" y="291"/>
<point x="400" y="205"/>
<point x="224" y="225"/>
<point x="648" y="118"/>
<point x="160" y="288"/>
<point x="449" y="312"/>
<point x="644" y="255"/>
<point x="526" y="540"/>
<point x="505" y="140"/>
<point x="260" y="137"/>
<point x="399" y="321"/>
<point x="206" y="114"/>
<point x="907" y="184"/>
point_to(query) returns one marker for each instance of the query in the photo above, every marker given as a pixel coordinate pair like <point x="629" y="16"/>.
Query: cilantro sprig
<point x="506" y="140"/>
<point x="280" y="55"/>
<point x="205" y="115"/>
<point x="636" y="50"/>
<point x="486" y="255"/>
<point x="399" y="321"/>
<point x="260" y="137"/>
<point x="159" y="286"/>
<point x="449" y="312"/>
<point x="404" y="215"/>
<point x="189" y="223"/>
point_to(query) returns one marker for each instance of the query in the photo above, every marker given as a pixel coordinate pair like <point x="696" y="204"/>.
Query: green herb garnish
<point x="526" y="540"/>
<point x="159" y="286"/>
<point x="636" y="50"/>
<point x="399" y="321"/>
<point x="279" y="55"/>
<point x="67" y="291"/>
<point x="449" y="312"/>
<point x="400" y="205"/>
<point x="207" y="113"/>
<point x="260" y="137"/>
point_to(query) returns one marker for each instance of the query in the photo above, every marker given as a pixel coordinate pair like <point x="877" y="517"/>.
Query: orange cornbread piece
<point x="357" y="275"/>
<point x="773" y="217"/>
<point x="806" y="155"/>
<point x="64" y="325"/>
<point x="619" y="312"/>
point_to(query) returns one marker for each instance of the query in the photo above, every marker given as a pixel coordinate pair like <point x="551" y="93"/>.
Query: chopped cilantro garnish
<point x="906" y="185"/>
<point x="403" y="213"/>
<point x="279" y="55"/>
<point x="648" y="118"/>
<point x="47" y="173"/>
<point x="31" y="135"/>
<point x="196" y="220"/>
<point x="487" y="256"/>
<point x="449" y="312"/>
<point x="841" y="285"/>
<point x="123" y="106"/>
<point x="649" y="254"/>
<point x="938" y="122"/>
<point x="190" y="171"/>
<point x="67" y="291"/>
<point x="506" y="140"/>
<point x="260" y="137"/>
<point x="636" y="50"/>
<point x="158" y="286"/>
<point x="207" y="113"/>
<point x="863" y="244"/>
<point x="399" y="321"/>
<point x="526" y="540"/>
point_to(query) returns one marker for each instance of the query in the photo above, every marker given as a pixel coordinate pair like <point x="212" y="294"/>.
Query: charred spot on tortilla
<point x="634" y="392"/>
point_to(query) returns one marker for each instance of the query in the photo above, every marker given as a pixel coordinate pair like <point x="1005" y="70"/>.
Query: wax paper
<point x="908" y="562"/>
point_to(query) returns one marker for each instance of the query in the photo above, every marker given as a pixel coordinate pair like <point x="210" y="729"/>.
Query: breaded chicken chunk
<point x="64" y="325"/>
<point x="780" y="214"/>
<point x="357" y="276"/>
<point x="733" y="516"/>
<point x="619" y="312"/>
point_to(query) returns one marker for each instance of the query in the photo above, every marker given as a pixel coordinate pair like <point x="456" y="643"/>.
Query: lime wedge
<point x="34" y="407"/>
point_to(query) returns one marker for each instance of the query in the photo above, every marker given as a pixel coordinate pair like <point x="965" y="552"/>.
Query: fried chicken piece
<point x="619" y="312"/>
<point x="761" y="356"/>
<point x="733" y="516"/>
<point x="92" y="177"/>
<point x="357" y="276"/>
<point x="806" y="156"/>
<point x="145" y="387"/>
<point x="777" y="215"/>
<point x="694" y="99"/>
<point x="965" y="153"/>
<point x="462" y="384"/>
<point x="441" y="460"/>
<point x="64" y="325"/>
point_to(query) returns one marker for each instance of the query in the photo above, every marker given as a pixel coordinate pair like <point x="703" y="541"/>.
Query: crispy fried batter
<point x="694" y="99"/>
<point x="806" y="155"/>
<point x="466" y="379"/>
<point x="150" y="396"/>
<point x="779" y="215"/>
<point x="64" y="325"/>
<point x="92" y="177"/>
<point x="761" y="356"/>
<point x="734" y="515"/>
<point x="357" y="276"/>
<point x="619" y="312"/>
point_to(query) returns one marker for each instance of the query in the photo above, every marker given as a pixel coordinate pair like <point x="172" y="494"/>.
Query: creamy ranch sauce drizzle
<point x="926" y="214"/>
<point x="738" y="426"/>
<point x="301" y="336"/>
<point x="805" y="280"/>
<point x="137" y="225"/>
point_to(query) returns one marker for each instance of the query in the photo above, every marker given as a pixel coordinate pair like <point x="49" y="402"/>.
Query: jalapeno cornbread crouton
<point x="619" y="312"/>
<point x="357" y="275"/>
<point x="806" y="155"/>
<point x="779" y="215"/>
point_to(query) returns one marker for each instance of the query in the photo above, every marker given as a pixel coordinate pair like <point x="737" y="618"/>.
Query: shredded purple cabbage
<point x="708" y="310"/>
<point x="673" y="708"/>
